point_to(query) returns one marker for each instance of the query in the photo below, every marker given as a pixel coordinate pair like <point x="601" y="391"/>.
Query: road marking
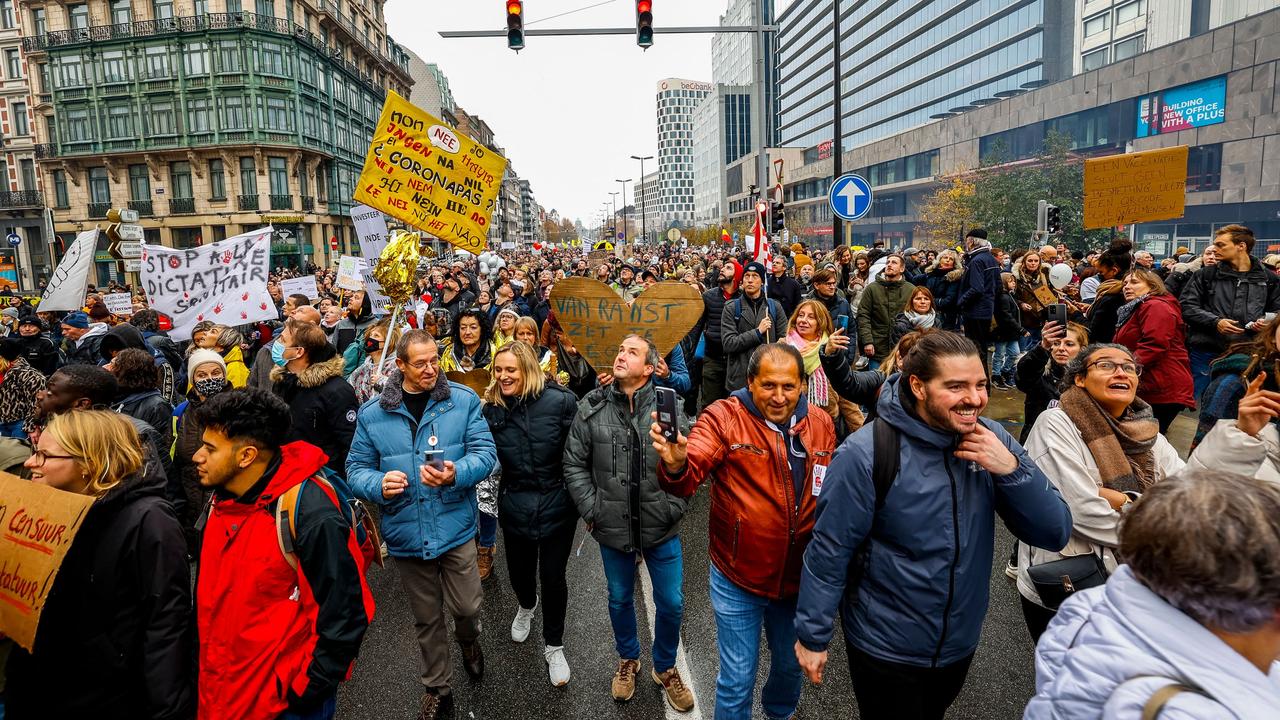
<point x="682" y="661"/>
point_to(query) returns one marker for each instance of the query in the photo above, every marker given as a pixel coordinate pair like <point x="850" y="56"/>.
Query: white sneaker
<point x="520" y="626"/>
<point x="557" y="666"/>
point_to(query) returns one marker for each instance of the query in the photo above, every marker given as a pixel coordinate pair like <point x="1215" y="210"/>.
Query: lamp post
<point x="644" y="219"/>
<point x="613" y="196"/>
<point x="624" y="209"/>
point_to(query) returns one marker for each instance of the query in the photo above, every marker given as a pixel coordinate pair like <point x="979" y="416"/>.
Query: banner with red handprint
<point x="225" y="282"/>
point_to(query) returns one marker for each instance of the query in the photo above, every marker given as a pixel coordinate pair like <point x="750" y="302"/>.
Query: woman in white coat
<point x="1101" y="447"/>
<point x="1248" y="444"/>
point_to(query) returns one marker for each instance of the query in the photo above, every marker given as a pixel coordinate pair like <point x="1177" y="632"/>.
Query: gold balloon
<point x="397" y="266"/>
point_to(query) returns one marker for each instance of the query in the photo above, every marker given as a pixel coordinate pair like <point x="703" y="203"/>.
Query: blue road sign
<point x="850" y="197"/>
<point x="14" y="239"/>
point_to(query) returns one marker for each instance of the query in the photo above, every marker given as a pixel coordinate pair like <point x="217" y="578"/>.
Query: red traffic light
<point x="515" y="7"/>
<point x="644" y="6"/>
<point x="515" y="24"/>
<point x="644" y="23"/>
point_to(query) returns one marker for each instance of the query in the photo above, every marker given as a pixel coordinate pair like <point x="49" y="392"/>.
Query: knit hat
<point x="202" y="356"/>
<point x="76" y="319"/>
<point x="508" y="310"/>
<point x="757" y="268"/>
<point x="9" y="312"/>
<point x="33" y="320"/>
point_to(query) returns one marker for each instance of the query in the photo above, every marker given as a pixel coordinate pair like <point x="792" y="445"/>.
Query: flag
<point x="760" y="242"/>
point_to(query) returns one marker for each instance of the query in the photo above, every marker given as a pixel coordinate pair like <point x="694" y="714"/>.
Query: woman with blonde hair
<point x="118" y="616"/>
<point x="367" y="381"/>
<point x="530" y="420"/>
<point x="526" y="331"/>
<point x="228" y="343"/>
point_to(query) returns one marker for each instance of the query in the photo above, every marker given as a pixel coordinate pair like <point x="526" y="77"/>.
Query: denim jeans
<point x="666" y="572"/>
<point x="1031" y="340"/>
<point x="739" y="617"/>
<point x="488" y="530"/>
<point x="1200" y="369"/>
<point x="12" y="430"/>
<point x="325" y="711"/>
<point x="1004" y="357"/>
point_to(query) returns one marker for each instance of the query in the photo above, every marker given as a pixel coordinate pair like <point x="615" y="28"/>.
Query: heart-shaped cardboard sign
<point x="597" y="320"/>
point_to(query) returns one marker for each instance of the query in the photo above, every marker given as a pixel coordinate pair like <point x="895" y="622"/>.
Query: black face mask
<point x="372" y="346"/>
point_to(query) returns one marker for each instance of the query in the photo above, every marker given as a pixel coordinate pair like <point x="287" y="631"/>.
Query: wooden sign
<point x="1135" y="187"/>
<point x="477" y="380"/>
<point x="596" y="319"/>
<point x="37" y="525"/>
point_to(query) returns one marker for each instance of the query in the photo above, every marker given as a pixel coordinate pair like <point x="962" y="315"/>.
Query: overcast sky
<point x="570" y="111"/>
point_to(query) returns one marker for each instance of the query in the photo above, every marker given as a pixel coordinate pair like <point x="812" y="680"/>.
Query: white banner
<point x="305" y="285"/>
<point x="350" y="270"/>
<point x="225" y="282"/>
<point x="66" y="288"/>
<point x="376" y="297"/>
<point x="371" y="231"/>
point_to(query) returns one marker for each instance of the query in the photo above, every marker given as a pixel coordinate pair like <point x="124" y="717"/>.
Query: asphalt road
<point x="385" y="683"/>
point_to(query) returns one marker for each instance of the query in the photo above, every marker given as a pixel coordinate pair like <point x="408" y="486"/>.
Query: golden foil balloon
<point x="397" y="266"/>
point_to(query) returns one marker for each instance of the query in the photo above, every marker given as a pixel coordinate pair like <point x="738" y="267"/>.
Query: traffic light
<point x="515" y="24"/>
<point x="644" y="23"/>
<point x="779" y="219"/>
<point x="1053" y="222"/>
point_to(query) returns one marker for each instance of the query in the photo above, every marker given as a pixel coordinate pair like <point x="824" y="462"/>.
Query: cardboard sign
<point x="597" y="320"/>
<point x="430" y="176"/>
<point x="65" y="290"/>
<point x="1135" y="187"/>
<point x="371" y="230"/>
<point x="37" y="525"/>
<point x="350" y="275"/>
<point x="118" y="303"/>
<point x="377" y="298"/>
<point x="305" y="285"/>
<point x="477" y="380"/>
<point x="1045" y="295"/>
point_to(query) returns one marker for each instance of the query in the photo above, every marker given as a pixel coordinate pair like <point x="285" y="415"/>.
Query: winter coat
<point x="1227" y="448"/>
<point x="1111" y="648"/>
<point x="124" y="337"/>
<point x="1220" y="291"/>
<point x="117" y="619"/>
<point x="880" y="304"/>
<point x="924" y="592"/>
<point x="85" y="350"/>
<point x="1102" y="314"/>
<point x="857" y="386"/>
<point x="273" y="638"/>
<point x="1008" y="319"/>
<point x="979" y="285"/>
<point x="739" y="323"/>
<point x="713" y="301"/>
<point x="530" y="435"/>
<point x="152" y="409"/>
<point x="1221" y="397"/>
<point x="1056" y="447"/>
<point x="611" y="471"/>
<point x="18" y="391"/>
<point x="351" y="330"/>
<point x="903" y="324"/>
<point x="678" y="372"/>
<point x="1026" y="293"/>
<point x="1037" y="377"/>
<point x="787" y="291"/>
<point x="237" y="371"/>
<point x="161" y="343"/>
<point x="260" y="374"/>
<point x="1154" y="332"/>
<point x="422" y="522"/>
<point x="761" y="521"/>
<point x="323" y="407"/>
<point x="40" y="353"/>
<point x="1175" y="280"/>
<point x="945" y="286"/>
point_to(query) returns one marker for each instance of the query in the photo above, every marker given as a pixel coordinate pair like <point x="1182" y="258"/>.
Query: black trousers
<point x="534" y="562"/>
<point x="1038" y="618"/>
<point x="1165" y="414"/>
<point x="894" y="691"/>
<point x="979" y="331"/>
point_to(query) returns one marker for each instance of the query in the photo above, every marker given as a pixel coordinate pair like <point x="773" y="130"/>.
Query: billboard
<point x="1182" y="108"/>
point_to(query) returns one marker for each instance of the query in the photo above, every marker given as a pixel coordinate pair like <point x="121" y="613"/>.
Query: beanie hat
<point x="757" y="268"/>
<point x="202" y="356"/>
<point x="33" y="320"/>
<point x="76" y="319"/>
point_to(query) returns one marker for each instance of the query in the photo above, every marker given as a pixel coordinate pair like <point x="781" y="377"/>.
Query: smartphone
<point x="667" y="417"/>
<point x="842" y="322"/>
<point x="434" y="458"/>
<point x="1057" y="313"/>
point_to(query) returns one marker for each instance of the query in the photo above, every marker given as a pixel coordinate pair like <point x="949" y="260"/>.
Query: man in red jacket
<point x="277" y="633"/>
<point x="768" y="454"/>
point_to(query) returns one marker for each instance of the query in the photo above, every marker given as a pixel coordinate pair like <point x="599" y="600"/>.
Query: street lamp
<point x="614" y="197"/>
<point x="624" y="209"/>
<point x="644" y="224"/>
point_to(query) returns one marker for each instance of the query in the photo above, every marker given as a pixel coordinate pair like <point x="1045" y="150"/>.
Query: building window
<point x="229" y="56"/>
<point x="114" y="69"/>
<point x="278" y="176"/>
<point x="71" y="71"/>
<point x="272" y="59"/>
<point x="267" y="7"/>
<point x="277" y="115"/>
<point x="20" y="124"/>
<point x="196" y="59"/>
<point x="77" y="125"/>
<point x="99" y="185"/>
<point x="120" y="12"/>
<point x="78" y="15"/>
<point x="6" y="14"/>
<point x="13" y="63"/>
<point x="217" y="180"/>
<point x="198" y="112"/>
<point x="139" y="183"/>
<point x="119" y="121"/>
<point x="1204" y="168"/>
<point x="248" y="177"/>
<point x="233" y="6"/>
<point x="202" y="8"/>
<point x="233" y="117"/>
<point x="1129" y="11"/>
<point x="1097" y="24"/>
<point x="60" y="198"/>
<point x="180" y="179"/>
<point x="27" y="168"/>
<point x="160" y="119"/>
<point x="157" y="62"/>
<point x="1093" y="60"/>
<point x="1128" y="48"/>
<point x="38" y="25"/>
<point x="162" y="9"/>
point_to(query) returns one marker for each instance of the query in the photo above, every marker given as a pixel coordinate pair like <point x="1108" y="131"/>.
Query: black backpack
<point x="885" y="462"/>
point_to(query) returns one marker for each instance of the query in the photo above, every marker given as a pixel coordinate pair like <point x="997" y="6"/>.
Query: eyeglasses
<point x="1108" y="366"/>
<point x="422" y="364"/>
<point x="41" y="457"/>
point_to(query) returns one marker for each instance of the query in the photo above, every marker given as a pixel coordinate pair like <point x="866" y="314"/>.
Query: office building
<point x="722" y="134"/>
<point x="1114" y="30"/>
<point x="676" y="100"/>
<point x="733" y="55"/>
<point x="648" y="199"/>
<point x="210" y="117"/>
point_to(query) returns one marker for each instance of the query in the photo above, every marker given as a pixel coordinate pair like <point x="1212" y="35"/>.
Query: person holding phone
<point x="1039" y="371"/>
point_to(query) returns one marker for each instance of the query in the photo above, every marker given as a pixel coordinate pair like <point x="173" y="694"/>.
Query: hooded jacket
<point x="117" y="619"/>
<point x="40" y="353"/>
<point x="422" y="522"/>
<point x="1154" y="332"/>
<point x="1103" y="313"/>
<point x="979" y="284"/>
<point x="945" y="286"/>
<point x="761" y="512"/>
<point x="273" y="638"/>
<point x="125" y="336"/>
<point x="740" y="334"/>
<point x="924" y="592"/>
<point x="85" y="350"/>
<point x="1220" y="291"/>
<point x="1111" y="648"/>
<point x="323" y="407"/>
<point x="880" y="304"/>
<point x="713" y="301"/>
<point x="350" y="330"/>
<point x="152" y="409"/>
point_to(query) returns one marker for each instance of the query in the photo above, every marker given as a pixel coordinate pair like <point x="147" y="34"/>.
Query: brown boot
<point x="624" y="681"/>
<point x="484" y="560"/>
<point x="435" y="706"/>
<point x="679" y="696"/>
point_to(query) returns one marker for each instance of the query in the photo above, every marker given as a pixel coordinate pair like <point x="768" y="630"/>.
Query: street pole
<point x="837" y="144"/>
<point x="762" y="140"/>
<point x="644" y="214"/>
<point x="624" y="209"/>
<point x="613" y="196"/>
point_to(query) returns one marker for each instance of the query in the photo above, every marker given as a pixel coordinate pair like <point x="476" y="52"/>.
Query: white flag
<point x="65" y="290"/>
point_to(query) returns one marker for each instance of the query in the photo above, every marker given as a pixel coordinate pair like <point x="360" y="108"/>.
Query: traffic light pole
<point x="837" y="144"/>
<point x="563" y="32"/>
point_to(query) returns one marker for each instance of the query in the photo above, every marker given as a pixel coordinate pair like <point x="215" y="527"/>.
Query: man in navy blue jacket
<point x="979" y="288"/>
<point x="912" y="631"/>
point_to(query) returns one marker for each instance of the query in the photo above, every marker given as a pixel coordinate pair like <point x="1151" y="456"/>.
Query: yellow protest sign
<point x="1135" y="187"/>
<point x="37" y="525"/>
<point x="426" y="174"/>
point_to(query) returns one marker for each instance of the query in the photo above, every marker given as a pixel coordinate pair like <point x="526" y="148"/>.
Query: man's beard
<point x="940" y="417"/>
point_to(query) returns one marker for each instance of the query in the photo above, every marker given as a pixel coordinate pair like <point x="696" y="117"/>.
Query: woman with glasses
<point x="1101" y="447"/>
<point x="1150" y="324"/>
<point x="117" y="619"/>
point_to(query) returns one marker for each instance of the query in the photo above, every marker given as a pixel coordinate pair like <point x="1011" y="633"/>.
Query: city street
<point x="385" y="684"/>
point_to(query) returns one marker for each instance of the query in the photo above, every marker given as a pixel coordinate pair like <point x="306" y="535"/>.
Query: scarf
<point x="923" y="322"/>
<point x="1122" y="447"/>
<point x="819" y="386"/>
<point x="1127" y="310"/>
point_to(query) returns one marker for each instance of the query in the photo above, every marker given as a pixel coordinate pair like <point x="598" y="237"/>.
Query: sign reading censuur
<point x="425" y="174"/>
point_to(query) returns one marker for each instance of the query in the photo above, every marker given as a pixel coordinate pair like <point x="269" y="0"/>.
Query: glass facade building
<point x="677" y="100"/>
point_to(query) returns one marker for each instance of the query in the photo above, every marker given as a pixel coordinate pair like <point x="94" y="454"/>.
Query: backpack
<point x="353" y="511"/>
<point x="885" y="462"/>
<point x="770" y="304"/>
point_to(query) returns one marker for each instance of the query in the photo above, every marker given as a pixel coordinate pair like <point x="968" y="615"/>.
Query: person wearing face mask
<point x="208" y="373"/>
<point x="308" y="376"/>
<point x="367" y="380"/>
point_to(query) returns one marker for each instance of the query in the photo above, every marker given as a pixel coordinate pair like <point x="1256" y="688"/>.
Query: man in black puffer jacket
<point x="713" y="359"/>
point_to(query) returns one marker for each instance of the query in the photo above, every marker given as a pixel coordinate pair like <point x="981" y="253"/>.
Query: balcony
<point x="21" y="199"/>
<point x="308" y="203"/>
<point x="281" y="202"/>
<point x="99" y="210"/>
<point x="46" y="150"/>
<point x="182" y="206"/>
<point x="248" y="202"/>
<point x="142" y="206"/>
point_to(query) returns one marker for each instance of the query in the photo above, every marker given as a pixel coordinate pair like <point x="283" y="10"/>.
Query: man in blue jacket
<point x="418" y="452"/>
<point x="979" y="288"/>
<point x="913" y="626"/>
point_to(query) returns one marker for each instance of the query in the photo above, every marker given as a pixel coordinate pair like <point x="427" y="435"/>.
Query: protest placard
<point x="305" y="285"/>
<point x="1135" y="187"/>
<point x="225" y="282"/>
<point x="350" y="271"/>
<point x="377" y="298"/>
<point x="66" y="287"/>
<point x="371" y="230"/>
<point x="37" y="525"/>
<point x="422" y="172"/>
<point x="118" y="303"/>
<point x="597" y="320"/>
